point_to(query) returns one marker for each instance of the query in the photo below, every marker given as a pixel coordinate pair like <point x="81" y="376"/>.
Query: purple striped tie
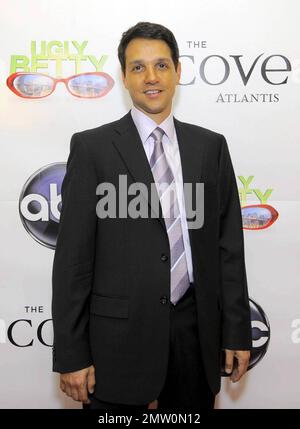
<point x="165" y="184"/>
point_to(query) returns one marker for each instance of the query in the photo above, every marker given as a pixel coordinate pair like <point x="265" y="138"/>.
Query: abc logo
<point x="40" y="203"/>
<point x="260" y="336"/>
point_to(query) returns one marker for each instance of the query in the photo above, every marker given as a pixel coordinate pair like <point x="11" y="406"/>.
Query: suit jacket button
<point x="164" y="300"/>
<point x="164" y="257"/>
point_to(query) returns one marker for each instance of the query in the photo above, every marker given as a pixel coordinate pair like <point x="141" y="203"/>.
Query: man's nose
<point x="151" y="76"/>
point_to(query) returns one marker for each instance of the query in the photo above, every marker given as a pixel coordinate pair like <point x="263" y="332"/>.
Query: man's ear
<point x="124" y="79"/>
<point x="178" y="72"/>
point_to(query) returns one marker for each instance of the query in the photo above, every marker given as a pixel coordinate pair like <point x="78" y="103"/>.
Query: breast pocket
<point x="109" y="306"/>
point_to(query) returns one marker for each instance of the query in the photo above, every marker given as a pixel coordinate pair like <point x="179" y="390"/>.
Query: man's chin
<point x="152" y="110"/>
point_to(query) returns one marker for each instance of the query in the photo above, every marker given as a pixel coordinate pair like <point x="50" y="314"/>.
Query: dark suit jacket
<point x="111" y="279"/>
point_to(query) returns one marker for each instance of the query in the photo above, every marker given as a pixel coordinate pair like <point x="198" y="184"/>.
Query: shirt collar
<point x="146" y="125"/>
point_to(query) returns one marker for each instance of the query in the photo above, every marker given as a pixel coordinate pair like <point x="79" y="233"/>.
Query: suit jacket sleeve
<point x="73" y="262"/>
<point x="236" y="320"/>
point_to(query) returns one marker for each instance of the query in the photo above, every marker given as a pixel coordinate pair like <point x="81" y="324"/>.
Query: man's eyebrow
<point x="141" y="61"/>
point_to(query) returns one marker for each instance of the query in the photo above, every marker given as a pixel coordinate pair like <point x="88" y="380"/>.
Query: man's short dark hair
<point x="148" y="30"/>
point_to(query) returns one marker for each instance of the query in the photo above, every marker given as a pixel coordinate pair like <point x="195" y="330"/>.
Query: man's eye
<point x="138" y="68"/>
<point x="162" y="65"/>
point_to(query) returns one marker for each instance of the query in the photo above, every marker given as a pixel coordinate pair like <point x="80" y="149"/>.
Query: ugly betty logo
<point x="37" y="75"/>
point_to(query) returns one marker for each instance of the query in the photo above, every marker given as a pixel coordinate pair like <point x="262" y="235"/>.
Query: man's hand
<point x="77" y="384"/>
<point x="239" y="370"/>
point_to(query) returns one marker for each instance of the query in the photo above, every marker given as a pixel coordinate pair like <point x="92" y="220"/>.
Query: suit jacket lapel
<point x="130" y="147"/>
<point x="192" y="153"/>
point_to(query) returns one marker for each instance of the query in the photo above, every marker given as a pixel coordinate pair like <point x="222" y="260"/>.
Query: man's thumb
<point x="229" y="362"/>
<point x="91" y="382"/>
<point x="90" y="388"/>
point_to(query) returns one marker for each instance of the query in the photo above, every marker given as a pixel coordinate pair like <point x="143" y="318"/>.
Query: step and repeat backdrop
<point x="59" y="74"/>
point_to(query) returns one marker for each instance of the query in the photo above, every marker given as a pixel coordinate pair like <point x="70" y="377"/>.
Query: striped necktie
<point x="165" y="184"/>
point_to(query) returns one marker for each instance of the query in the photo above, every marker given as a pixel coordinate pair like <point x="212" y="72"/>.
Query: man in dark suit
<point x="143" y="305"/>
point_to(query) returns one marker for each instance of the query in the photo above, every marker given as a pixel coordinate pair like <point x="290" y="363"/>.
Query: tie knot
<point x="157" y="134"/>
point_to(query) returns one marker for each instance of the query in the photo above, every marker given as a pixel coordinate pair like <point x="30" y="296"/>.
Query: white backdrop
<point x="263" y="138"/>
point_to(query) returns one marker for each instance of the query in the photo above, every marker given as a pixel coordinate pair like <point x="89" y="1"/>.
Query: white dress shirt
<point x="145" y="127"/>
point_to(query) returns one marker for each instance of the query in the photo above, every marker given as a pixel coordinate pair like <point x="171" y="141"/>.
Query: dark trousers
<point x="186" y="385"/>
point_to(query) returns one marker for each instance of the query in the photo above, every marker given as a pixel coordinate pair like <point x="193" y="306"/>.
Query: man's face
<point x="149" y="67"/>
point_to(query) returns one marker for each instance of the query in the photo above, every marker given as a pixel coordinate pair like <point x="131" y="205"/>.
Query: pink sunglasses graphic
<point x="258" y="216"/>
<point x="39" y="85"/>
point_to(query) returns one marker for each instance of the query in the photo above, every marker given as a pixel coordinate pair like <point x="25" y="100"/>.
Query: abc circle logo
<point x="261" y="333"/>
<point x="260" y="336"/>
<point x="40" y="203"/>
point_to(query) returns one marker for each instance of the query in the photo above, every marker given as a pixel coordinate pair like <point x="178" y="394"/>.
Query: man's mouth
<point x="152" y="93"/>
